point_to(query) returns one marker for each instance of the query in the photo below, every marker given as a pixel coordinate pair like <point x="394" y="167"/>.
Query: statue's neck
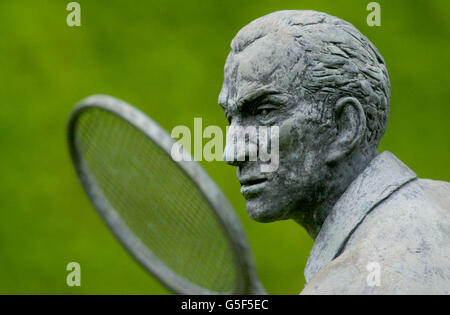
<point x="341" y="177"/>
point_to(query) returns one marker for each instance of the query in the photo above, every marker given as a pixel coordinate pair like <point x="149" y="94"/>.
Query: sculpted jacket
<point x="389" y="233"/>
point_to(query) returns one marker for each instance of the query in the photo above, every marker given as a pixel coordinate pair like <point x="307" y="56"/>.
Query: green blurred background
<point x="167" y="57"/>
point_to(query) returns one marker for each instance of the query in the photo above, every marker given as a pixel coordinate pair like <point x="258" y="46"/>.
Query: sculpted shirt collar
<point x="384" y="175"/>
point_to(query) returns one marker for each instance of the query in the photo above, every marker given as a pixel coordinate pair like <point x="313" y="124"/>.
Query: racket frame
<point x="246" y="278"/>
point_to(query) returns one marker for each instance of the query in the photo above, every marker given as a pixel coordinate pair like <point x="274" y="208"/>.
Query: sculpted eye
<point x="264" y="110"/>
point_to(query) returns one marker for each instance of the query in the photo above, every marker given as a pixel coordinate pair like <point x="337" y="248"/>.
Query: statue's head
<point x="327" y="89"/>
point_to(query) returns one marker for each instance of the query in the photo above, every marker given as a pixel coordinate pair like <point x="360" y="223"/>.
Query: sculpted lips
<point x="252" y="186"/>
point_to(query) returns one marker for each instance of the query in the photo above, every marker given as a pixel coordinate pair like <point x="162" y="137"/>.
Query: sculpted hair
<point x="339" y="60"/>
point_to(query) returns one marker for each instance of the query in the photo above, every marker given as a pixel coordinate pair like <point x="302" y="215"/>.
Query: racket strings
<point x="134" y="201"/>
<point x="156" y="200"/>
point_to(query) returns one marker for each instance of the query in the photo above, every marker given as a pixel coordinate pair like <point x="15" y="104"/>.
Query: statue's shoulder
<point x="437" y="192"/>
<point x="406" y="236"/>
<point x="420" y="208"/>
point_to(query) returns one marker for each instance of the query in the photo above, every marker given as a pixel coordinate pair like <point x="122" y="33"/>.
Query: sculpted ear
<point x="351" y="127"/>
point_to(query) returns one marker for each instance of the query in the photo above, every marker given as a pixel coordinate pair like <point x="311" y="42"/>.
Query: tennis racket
<point x="170" y="216"/>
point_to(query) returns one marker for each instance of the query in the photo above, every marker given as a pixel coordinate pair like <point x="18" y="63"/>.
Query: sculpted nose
<point x="232" y="155"/>
<point x="231" y="161"/>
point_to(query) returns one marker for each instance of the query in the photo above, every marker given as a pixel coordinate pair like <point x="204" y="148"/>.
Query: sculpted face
<point x="262" y="87"/>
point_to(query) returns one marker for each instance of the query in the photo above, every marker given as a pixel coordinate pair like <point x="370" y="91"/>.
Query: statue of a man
<point x="377" y="227"/>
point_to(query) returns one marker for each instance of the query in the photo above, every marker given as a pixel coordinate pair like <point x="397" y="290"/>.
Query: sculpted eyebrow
<point x="271" y="96"/>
